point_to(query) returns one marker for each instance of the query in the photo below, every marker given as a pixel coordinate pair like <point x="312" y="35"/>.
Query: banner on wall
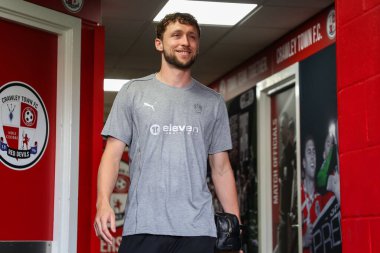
<point x="284" y="172"/>
<point x="242" y="117"/>
<point x="309" y="38"/>
<point x="321" y="216"/>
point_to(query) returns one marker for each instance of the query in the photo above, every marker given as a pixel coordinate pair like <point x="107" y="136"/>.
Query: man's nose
<point x="185" y="40"/>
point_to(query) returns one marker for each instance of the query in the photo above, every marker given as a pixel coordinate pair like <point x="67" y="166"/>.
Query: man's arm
<point x="107" y="175"/>
<point x="224" y="182"/>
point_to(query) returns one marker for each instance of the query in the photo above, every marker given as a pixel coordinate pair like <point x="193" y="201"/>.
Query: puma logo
<point x="150" y="106"/>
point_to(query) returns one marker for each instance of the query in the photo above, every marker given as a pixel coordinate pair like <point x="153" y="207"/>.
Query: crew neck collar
<point x="186" y="87"/>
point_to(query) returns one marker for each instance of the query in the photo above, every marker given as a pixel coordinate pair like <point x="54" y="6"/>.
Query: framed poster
<point x="320" y="181"/>
<point x="278" y="142"/>
<point x="242" y="115"/>
<point x="242" y="112"/>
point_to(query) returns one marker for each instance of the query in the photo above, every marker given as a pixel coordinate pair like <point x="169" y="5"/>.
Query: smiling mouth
<point x="183" y="52"/>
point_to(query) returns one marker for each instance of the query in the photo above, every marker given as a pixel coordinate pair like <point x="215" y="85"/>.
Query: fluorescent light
<point x="208" y="13"/>
<point x="113" y="84"/>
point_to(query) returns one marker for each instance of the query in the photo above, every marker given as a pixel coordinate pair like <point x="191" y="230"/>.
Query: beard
<point x="173" y="60"/>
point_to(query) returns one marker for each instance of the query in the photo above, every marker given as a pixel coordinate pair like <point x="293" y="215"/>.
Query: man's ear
<point x="158" y="44"/>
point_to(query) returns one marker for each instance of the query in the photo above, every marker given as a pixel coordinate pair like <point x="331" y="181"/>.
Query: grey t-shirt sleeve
<point x="221" y="134"/>
<point x="119" y="123"/>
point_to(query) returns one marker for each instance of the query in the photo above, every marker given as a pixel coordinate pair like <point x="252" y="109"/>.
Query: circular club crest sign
<point x="331" y="25"/>
<point x="73" y="5"/>
<point x="24" y="126"/>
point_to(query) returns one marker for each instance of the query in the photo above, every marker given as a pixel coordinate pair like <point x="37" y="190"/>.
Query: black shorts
<point x="146" y="243"/>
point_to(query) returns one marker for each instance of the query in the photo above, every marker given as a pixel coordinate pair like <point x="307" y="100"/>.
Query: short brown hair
<point x="183" y="18"/>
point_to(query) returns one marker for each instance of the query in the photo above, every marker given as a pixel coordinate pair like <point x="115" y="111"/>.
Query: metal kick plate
<point x="25" y="247"/>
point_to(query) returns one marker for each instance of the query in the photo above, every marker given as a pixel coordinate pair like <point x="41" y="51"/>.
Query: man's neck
<point x="174" y="77"/>
<point x="309" y="186"/>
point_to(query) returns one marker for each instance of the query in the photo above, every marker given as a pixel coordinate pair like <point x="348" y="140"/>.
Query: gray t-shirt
<point x="170" y="132"/>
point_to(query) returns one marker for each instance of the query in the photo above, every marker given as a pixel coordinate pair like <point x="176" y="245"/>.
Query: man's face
<point x="180" y="44"/>
<point x="309" y="161"/>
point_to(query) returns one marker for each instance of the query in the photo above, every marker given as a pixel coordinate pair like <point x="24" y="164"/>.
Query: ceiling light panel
<point x="113" y="84"/>
<point x="208" y="13"/>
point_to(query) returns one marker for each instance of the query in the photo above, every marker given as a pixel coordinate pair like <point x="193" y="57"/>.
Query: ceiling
<point x="130" y="32"/>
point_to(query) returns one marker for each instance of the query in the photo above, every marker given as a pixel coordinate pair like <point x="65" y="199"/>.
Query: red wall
<point x="358" y="71"/>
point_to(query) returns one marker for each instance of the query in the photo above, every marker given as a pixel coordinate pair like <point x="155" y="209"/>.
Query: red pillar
<point x="91" y="143"/>
<point x="358" y="71"/>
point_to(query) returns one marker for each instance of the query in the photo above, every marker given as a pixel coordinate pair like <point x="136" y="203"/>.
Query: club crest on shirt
<point x="198" y="108"/>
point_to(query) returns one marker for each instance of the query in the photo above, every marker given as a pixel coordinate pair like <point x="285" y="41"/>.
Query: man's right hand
<point x="107" y="176"/>
<point x="104" y="220"/>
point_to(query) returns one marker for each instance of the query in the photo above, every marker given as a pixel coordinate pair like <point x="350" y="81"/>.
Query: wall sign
<point x="24" y="126"/>
<point x="73" y="5"/>
<point x="331" y="25"/>
<point x="306" y="40"/>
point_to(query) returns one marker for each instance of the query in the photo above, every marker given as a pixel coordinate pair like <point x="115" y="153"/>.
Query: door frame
<point x="68" y="31"/>
<point x="264" y="90"/>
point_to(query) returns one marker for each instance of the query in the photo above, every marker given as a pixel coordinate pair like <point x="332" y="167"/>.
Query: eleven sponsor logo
<point x="156" y="129"/>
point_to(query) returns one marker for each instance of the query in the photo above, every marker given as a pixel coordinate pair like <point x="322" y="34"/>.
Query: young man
<point x="315" y="206"/>
<point x="309" y="196"/>
<point x="171" y="124"/>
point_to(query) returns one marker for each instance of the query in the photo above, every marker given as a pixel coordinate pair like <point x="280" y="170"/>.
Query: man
<point x="171" y="124"/>
<point x="309" y="195"/>
<point x="317" y="209"/>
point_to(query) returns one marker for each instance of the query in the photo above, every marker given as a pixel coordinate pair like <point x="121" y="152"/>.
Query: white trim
<point x="68" y="30"/>
<point x="264" y="89"/>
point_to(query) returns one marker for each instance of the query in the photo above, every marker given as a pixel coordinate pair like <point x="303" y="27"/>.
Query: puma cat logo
<point x="150" y="106"/>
